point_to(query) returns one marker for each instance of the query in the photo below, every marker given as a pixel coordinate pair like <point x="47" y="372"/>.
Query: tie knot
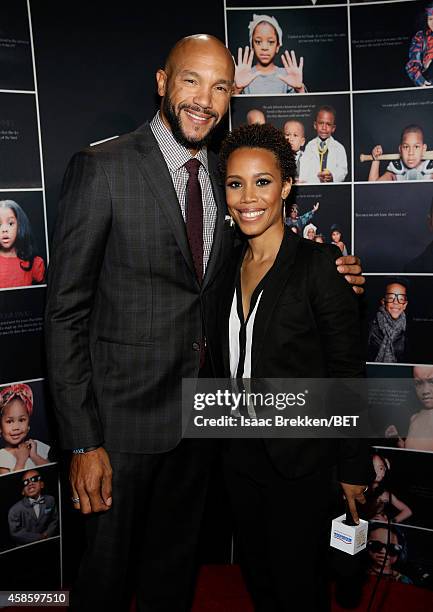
<point x="192" y="166"/>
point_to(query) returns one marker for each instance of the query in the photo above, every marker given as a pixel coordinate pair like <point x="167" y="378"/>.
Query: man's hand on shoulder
<point x="350" y="266"/>
<point x="90" y="478"/>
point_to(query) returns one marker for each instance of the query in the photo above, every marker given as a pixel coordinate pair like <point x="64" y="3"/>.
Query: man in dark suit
<point x="34" y="517"/>
<point x="138" y="241"/>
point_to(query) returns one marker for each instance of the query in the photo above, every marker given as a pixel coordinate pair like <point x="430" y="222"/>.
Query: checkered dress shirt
<point x="175" y="156"/>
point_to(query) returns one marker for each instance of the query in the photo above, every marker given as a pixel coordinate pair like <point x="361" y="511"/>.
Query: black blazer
<point x="123" y="319"/>
<point x="307" y="326"/>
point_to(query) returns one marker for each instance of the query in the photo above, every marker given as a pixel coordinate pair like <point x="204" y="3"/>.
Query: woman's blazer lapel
<point x="227" y="291"/>
<point x="275" y="284"/>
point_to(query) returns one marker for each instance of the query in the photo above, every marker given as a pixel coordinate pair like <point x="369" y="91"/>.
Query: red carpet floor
<point x="220" y="589"/>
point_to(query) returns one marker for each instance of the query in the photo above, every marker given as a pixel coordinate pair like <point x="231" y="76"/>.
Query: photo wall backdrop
<point x="81" y="75"/>
<point x="81" y="93"/>
<point x="29" y="479"/>
<point x="348" y="83"/>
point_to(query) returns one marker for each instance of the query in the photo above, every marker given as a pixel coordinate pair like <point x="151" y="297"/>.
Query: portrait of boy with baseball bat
<point x="412" y="163"/>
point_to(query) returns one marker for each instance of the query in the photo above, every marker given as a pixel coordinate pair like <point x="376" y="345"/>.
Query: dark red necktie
<point x="194" y="216"/>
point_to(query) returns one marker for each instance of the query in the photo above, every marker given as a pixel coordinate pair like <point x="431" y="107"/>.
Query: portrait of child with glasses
<point x="387" y="338"/>
<point x="377" y="546"/>
<point x="35" y="516"/>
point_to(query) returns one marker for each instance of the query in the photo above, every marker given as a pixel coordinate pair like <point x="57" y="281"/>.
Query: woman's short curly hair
<point x="257" y="136"/>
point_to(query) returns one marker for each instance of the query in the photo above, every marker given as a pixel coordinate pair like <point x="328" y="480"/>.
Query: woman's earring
<point x="284" y="210"/>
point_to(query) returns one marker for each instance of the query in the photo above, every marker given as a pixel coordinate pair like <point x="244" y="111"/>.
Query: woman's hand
<point x="354" y="493"/>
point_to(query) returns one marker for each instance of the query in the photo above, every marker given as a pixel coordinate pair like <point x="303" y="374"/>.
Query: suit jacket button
<point x="196" y="346"/>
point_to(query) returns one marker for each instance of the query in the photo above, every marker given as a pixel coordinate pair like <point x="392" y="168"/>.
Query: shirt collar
<point x="38" y="500"/>
<point x="328" y="140"/>
<point x="175" y="154"/>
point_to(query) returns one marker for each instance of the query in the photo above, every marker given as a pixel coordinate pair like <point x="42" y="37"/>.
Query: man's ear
<point x="424" y="147"/>
<point x="161" y="82"/>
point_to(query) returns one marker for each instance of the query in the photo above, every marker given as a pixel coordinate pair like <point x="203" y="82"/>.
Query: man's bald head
<point x="205" y="43"/>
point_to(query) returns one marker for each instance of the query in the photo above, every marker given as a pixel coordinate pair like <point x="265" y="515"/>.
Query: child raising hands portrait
<point x="266" y="38"/>
<point x="19" y="452"/>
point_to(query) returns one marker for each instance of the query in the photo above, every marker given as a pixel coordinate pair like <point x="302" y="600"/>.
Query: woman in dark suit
<point x="281" y="310"/>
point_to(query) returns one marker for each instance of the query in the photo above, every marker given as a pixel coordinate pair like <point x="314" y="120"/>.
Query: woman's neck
<point x="266" y="246"/>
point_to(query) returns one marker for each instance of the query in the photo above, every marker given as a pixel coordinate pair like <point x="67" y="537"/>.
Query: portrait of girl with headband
<point x="20" y="452"/>
<point x="266" y="38"/>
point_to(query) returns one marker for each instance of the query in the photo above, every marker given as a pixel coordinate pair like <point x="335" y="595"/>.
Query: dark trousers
<point x="283" y="529"/>
<point x="146" y="543"/>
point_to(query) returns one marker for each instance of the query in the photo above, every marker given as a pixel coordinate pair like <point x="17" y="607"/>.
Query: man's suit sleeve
<point x="78" y="248"/>
<point x="336" y="312"/>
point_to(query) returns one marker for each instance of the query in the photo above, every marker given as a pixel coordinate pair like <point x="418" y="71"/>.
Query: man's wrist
<point x="84" y="450"/>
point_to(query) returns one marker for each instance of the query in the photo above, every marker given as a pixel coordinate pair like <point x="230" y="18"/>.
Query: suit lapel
<point x="275" y="283"/>
<point x="227" y="291"/>
<point x="152" y="165"/>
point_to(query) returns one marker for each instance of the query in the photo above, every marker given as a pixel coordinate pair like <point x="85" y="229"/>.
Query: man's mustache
<point x="199" y="109"/>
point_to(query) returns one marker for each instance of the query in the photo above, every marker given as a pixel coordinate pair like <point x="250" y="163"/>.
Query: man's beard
<point x="176" y="128"/>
